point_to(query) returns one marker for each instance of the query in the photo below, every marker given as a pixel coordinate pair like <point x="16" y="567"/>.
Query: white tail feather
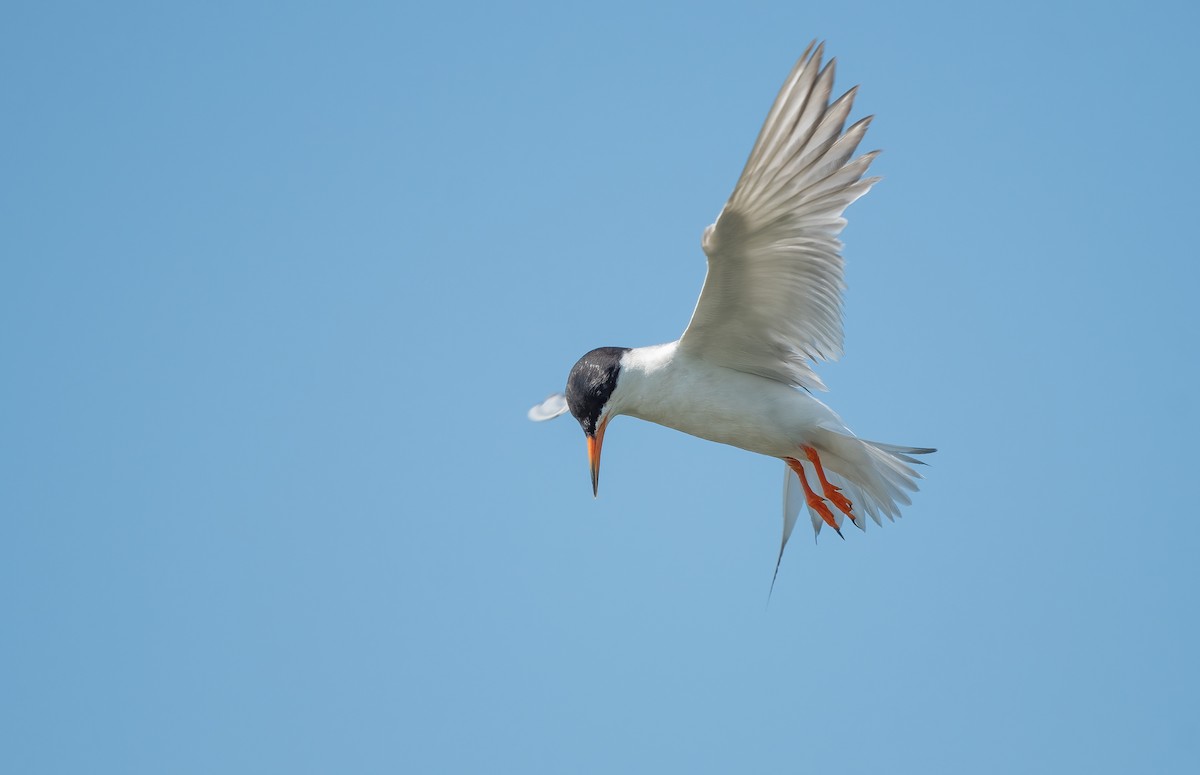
<point x="876" y="477"/>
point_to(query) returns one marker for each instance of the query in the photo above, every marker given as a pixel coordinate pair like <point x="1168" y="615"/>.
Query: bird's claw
<point x="841" y="501"/>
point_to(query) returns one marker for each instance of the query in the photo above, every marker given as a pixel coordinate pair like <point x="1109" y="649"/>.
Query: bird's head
<point x="590" y="388"/>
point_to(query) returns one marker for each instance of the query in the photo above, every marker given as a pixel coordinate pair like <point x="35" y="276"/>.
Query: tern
<point x="771" y="306"/>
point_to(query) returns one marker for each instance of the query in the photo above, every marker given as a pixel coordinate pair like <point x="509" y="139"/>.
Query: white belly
<point x="712" y="402"/>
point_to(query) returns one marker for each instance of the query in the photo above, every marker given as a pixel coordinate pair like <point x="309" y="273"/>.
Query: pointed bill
<point x="595" y="442"/>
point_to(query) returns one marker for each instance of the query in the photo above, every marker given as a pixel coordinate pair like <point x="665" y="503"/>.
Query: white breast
<point x="664" y="386"/>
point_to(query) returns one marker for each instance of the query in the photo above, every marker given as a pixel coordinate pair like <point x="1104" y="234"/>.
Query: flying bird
<point x="771" y="306"/>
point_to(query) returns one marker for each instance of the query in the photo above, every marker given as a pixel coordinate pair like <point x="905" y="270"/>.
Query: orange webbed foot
<point x="821" y="508"/>
<point x="815" y="502"/>
<point x="832" y="492"/>
<point x="834" y="496"/>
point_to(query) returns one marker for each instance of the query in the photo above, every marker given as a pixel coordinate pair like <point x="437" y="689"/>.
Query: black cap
<point x="591" y="383"/>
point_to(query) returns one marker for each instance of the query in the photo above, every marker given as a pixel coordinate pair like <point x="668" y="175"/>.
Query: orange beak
<point x="594" y="442"/>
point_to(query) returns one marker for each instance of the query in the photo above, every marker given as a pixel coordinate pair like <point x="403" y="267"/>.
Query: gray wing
<point x="772" y="299"/>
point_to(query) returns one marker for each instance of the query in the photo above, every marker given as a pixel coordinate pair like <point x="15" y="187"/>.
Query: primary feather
<point x="772" y="299"/>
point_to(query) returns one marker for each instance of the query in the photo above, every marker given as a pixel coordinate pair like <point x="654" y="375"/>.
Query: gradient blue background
<point x="278" y="283"/>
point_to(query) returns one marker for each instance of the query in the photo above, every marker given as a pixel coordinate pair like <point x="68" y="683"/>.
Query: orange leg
<point x="832" y="492"/>
<point x="814" y="501"/>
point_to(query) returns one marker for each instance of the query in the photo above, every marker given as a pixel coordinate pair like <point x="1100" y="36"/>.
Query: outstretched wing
<point x="772" y="299"/>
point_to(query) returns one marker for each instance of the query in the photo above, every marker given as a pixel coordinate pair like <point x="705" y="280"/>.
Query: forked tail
<point x="845" y="476"/>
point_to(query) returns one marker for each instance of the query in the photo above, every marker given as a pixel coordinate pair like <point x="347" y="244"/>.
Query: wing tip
<point x="550" y="407"/>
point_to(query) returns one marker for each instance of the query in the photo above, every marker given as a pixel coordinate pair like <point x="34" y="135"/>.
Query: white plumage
<point x="771" y="305"/>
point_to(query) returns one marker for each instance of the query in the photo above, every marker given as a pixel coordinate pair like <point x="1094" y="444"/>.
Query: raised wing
<point x="552" y="407"/>
<point x="772" y="299"/>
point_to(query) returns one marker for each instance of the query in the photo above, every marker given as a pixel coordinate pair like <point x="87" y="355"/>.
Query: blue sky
<point x="278" y="283"/>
